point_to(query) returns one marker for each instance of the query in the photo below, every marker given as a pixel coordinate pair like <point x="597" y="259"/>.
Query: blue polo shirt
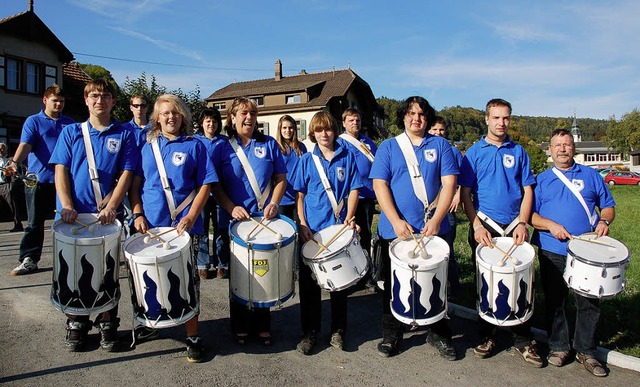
<point x="114" y="150"/>
<point x="343" y="177"/>
<point x="42" y="132"/>
<point x="188" y="168"/>
<point x="555" y="201"/>
<point x="291" y="160"/>
<point x="139" y="132"/>
<point x="458" y="156"/>
<point x="435" y="159"/>
<point x="266" y="161"/>
<point x="363" y="163"/>
<point x="496" y="176"/>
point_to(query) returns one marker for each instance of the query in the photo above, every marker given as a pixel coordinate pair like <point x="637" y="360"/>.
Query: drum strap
<point x="166" y="187"/>
<point x="337" y="207"/>
<point x="593" y="216"/>
<point x="495" y="225"/>
<point x="359" y="145"/>
<point x="417" y="180"/>
<point x="93" y="171"/>
<point x="261" y="198"/>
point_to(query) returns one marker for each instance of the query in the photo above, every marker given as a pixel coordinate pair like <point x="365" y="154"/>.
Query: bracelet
<point x="522" y="223"/>
<point x="275" y="204"/>
<point x="477" y="227"/>
<point x="136" y="215"/>
<point x="605" y="221"/>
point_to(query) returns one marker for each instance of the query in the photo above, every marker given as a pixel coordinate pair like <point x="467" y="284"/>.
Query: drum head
<point x="491" y="257"/>
<point x="609" y="251"/>
<point x="144" y="249"/>
<point x="407" y="251"/>
<point x="310" y="249"/>
<point x="77" y="230"/>
<point x="248" y="231"/>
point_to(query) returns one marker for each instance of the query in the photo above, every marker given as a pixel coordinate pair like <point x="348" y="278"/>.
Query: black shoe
<point x="443" y="345"/>
<point x="305" y="346"/>
<point x="108" y="335"/>
<point x="195" y="349"/>
<point x="17" y="228"/>
<point x="76" y="335"/>
<point x="387" y="347"/>
<point x="144" y="333"/>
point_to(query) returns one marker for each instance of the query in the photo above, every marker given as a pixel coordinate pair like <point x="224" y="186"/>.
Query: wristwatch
<point x="136" y="215"/>
<point x="605" y="221"/>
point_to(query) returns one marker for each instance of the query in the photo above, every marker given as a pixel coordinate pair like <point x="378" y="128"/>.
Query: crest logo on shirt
<point x="430" y="155"/>
<point x="178" y="158"/>
<point x="508" y="161"/>
<point x="579" y="184"/>
<point x="341" y="173"/>
<point x="113" y="145"/>
<point x="260" y="152"/>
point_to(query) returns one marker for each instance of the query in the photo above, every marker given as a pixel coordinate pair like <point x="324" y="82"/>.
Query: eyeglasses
<point x="139" y="105"/>
<point x="96" y="96"/>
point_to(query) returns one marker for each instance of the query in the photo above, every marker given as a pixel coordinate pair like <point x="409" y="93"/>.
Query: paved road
<point x="32" y="351"/>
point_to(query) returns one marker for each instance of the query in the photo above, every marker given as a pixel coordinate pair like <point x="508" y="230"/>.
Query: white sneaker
<point x="27" y="266"/>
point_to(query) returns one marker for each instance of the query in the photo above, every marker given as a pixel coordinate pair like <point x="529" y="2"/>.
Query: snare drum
<point x="85" y="266"/>
<point x="262" y="260"/>
<point x="161" y="278"/>
<point x="596" y="269"/>
<point x="419" y="279"/>
<point x="342" y="264"/>
<point x="505" y="292"/>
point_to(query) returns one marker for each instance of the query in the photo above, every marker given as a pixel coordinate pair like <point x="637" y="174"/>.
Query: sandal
<point x="241" y="338"/>
<point x="265" y="340"/>
<point x="592" y="365"/>
<point x="557" y="358"/>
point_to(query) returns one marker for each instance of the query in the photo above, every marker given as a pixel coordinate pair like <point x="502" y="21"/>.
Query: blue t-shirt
<point x="266" y="161"/>
<point x="140" y="133"/>
<point x="496" y="176"/>
<point x="42" y="132"/>
<point x="188" y="168"/>
<point x="363" y="163"/>
<point x="435" y="160"/>
<point x="291" y="160"/>
<point x="555" y="201"/>
<point x="114" y="150"/>
<point x="343" y="177"/>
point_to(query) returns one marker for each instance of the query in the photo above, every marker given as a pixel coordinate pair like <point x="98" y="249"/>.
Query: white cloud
<point x="167" y="46"/>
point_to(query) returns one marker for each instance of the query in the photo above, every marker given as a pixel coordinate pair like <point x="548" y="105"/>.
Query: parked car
<point x="622" y="177"/>
<point x="605" y="171"/>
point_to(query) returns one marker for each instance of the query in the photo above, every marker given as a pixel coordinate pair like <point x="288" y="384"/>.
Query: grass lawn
<point x="619" y="327"/>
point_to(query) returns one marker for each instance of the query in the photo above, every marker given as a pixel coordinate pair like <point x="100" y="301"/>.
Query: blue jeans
<point x="210" y="217"/>
<point x="41" y="203"/>
<point x="555" y="295"/>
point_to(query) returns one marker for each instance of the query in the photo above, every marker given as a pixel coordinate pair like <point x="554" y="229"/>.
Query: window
<point x="25" y="76"/>
<point x="263" y="127"/>
<point x="220" y="105"/>
<point x="295" y="98"/>
<point x="259" y="100"/>
<point x="302" y="129"/>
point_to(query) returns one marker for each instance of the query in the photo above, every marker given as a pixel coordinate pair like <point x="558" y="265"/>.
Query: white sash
<point x="495" y="225"/>
<point x="417" y="181"/>
<point x="93" y="171"/>
<point x="261" y="198"/>
<point x="337" y="207"/>
<point x="359" y="145"/>
<point x="166" y="187"/>
<point x="592" y="216"/>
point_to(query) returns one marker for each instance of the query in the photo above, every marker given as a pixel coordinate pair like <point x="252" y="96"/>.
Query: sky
<point x="548" y="58"/>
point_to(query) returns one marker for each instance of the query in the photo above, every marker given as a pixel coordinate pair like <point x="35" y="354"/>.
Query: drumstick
<point x="333" y="238"/>
<point x="165" y="244"/>
<point x="590" y="240"/>
<point x="515" y="261"/>
<point x="277" y="234"/>
<point x="419" y="245"/>
<point x="318" y="243"/>
<point x="507" y="254"/>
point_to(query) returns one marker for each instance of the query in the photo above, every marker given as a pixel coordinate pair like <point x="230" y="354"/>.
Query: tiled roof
<point x="320" y="86"/>
<point x="28" y="26"/>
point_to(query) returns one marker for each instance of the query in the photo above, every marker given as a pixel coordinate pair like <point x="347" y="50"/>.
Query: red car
<point x="622" y="177"/>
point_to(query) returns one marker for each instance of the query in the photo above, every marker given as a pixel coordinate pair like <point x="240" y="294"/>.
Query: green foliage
<point x="98" y="72"/>
<point x="624" y="135"/>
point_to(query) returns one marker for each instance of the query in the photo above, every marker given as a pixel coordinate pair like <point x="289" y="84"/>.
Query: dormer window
<point x="294" y="98"/>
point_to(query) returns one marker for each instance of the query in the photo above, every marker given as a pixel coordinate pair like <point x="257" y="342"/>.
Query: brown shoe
<point x="557" y="358"/>
<point x="530" y="354"/>
<point x="591" y="364"/>
<point x="220" y="273"/>
<point x="204" y="273"/>
<point x="485" y="349"/>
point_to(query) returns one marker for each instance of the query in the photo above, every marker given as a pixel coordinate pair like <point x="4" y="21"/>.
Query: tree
<point x="623" y="135"/>
<point x="99" y="72"/>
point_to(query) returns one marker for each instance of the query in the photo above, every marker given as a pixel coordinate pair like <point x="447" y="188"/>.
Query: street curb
<point x="604" y="355"/>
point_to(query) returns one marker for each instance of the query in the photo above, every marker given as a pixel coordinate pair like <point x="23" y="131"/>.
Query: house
<point x="32" y="58"/>
<point x="303" y="95"/>
<point x="591" y="153"/>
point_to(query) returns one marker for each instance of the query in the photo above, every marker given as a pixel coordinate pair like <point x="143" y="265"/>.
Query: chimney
<point x="278" y="70"/>
<point x="30" y="5"/>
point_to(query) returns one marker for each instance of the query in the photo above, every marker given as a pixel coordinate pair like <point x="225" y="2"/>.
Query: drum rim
<point x="151" y="259"/>
<point x="430" y="265"/>
<point x="321" y="257"/>
<point x="599" y="263"/>
<point x="507" y="268"/>
<point x="65" y="237"/>
<point x="263" y="246"/>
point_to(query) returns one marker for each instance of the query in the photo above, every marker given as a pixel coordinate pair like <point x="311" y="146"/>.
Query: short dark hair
<point x="427" y="109"/>
<point x="54" y="90"/>
<point x="213" y="113"/>
<point x="440" y="120"/>
<point x="497" y="102"/>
